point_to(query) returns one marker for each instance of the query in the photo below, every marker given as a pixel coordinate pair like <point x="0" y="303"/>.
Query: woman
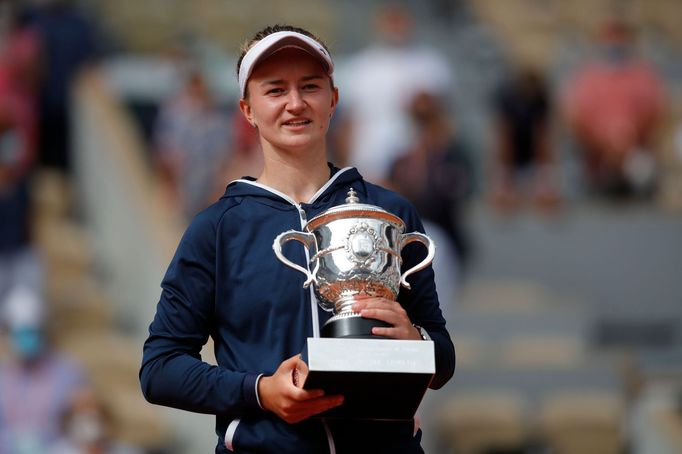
<point x="226" y="282"/>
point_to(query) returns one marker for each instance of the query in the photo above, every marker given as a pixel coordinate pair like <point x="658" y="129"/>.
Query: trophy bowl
<point x="354" y="252"/>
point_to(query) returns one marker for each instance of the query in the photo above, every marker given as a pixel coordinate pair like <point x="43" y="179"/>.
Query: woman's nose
<point x="295" y="100"/>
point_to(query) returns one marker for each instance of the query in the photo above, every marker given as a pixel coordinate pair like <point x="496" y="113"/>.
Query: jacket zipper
<point x="316" y="323"/>
<point x="313" y="299"/>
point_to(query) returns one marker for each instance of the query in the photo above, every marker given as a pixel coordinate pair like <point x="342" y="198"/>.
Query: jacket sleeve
<point x="421" y="302"/>
<point x="172" y="372"/>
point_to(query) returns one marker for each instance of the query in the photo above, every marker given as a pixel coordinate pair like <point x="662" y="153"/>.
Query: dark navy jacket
<point x="226" y="282"/>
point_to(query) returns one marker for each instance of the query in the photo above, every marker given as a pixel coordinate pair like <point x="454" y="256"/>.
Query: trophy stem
<point x="344" y="306"/>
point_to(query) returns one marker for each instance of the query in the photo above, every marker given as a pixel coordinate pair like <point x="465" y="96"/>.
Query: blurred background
<point x="541" y="141"/>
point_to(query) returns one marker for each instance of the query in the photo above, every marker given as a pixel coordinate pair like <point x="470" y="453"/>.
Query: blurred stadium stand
<point x="568" y="332"/>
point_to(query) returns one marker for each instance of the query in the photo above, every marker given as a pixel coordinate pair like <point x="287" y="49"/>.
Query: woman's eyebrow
<point x="281" y="81"/>
<point x="272" y="82"/>
<point x="311" y="77"/>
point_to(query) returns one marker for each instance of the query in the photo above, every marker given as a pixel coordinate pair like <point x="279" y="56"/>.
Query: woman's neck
<point x="299" y="176"/>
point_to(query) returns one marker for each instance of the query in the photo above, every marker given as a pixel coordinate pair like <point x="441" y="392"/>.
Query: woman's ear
<point x="335" y="99"/>
<point x="247" y="112"/>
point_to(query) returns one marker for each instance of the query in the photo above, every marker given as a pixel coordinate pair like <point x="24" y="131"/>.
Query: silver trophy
<point x="354" y="252"/>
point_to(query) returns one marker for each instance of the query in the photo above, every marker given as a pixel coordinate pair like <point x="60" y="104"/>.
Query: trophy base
<point x="351" y="326"/>
<point x="380" y="379"/>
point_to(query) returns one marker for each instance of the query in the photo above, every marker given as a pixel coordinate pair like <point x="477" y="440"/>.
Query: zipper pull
<point x="301" y="211"/>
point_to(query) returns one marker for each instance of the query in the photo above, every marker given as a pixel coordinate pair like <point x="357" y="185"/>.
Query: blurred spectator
<point x="88" y="428"/>
<point x="614" y="105"/>
<point x="191" y="144"/>
<point x="523" y="158"/>
<point x="379" y="83"/>
<point x="18" y="68"/>
<point x="36" y="381"/>
<point x="436" y="174"/>
<point x="246" y="158"/>
<point x="69" y="43"/>
<point x="19" y="55"/>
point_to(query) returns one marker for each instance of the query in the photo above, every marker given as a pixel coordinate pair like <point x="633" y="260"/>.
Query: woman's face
<point x="290" y="100"/>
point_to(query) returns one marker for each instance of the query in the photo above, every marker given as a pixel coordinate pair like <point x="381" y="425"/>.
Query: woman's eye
<point x="274" y="91"/>
<point x="309" y="87"/>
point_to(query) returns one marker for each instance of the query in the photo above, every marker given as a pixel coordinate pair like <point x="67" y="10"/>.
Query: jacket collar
<point x="247" y="186"/>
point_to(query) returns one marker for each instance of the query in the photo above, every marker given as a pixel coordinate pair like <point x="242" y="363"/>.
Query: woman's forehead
<point x="288" y="61"/>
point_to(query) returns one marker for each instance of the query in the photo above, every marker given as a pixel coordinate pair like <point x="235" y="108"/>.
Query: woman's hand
<point x="390" y="312"/>
<point x="281" y="393"/>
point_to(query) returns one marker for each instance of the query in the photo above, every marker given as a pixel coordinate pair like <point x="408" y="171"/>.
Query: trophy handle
<point x="308" y="240"/>
<point x="426" y="241"/>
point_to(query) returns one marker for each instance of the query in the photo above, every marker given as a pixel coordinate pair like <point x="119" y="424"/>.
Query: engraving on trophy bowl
<point x="361" y="243"/>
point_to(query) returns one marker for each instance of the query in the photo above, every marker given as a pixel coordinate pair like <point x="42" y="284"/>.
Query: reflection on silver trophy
<point x="354" y="252"/>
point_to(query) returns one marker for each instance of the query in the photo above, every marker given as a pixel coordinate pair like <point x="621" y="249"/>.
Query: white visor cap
<point x="278" y="41"/>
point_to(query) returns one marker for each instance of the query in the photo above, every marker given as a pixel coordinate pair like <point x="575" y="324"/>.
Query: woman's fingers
<point x="381" y="309"/>
<point x="390" y="312"/>
<point x="300" y="410"/>
<point x="281" y="394"/>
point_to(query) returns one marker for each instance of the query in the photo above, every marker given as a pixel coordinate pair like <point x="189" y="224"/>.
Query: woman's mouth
<point x="297" y="122"/>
